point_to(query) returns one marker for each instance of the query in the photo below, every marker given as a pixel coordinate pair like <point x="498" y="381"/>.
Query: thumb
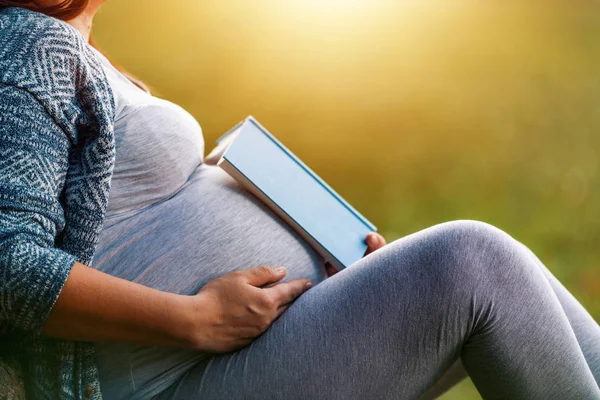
<point x="260" y="276"/>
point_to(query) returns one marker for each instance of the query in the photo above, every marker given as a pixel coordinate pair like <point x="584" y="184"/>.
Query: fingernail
<point x="280" y="270"/>
<point x="308" y="285"/>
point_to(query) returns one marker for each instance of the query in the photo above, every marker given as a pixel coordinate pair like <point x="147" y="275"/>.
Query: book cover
<point x="270" y="171"/>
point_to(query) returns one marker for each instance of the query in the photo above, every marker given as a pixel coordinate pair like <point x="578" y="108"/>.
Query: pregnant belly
<point x="209" y="228"/>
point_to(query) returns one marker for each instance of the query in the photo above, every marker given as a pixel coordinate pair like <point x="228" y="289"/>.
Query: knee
<point x="469" y="234"/>
<point x="477" y="251"/>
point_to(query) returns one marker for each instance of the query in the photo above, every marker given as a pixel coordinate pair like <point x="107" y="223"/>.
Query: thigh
<point x="371" y="331"/>
<point x="392" y="324"/>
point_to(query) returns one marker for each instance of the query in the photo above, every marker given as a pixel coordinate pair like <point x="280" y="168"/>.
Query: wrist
<point x="190" y="326"/>
<point x="182" y="325"/>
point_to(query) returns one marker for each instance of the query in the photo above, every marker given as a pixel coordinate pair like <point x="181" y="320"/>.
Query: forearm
<point x="94" y="306"/>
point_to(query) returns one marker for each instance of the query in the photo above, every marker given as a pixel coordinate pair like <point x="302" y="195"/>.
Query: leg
<point x="391" y="325"/>
<point x="585" y="328"/>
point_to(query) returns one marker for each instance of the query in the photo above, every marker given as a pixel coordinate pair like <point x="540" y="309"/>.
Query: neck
<point x="83" y="22"/>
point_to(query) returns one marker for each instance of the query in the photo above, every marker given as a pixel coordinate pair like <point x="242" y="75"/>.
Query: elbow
<point x="32" y="278"/>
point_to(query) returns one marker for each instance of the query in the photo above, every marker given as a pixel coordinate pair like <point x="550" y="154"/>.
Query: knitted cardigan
<point x="56" y="161"/>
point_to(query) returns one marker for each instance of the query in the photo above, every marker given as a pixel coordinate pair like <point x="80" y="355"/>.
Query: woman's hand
<point x="233" y="310"/>
<point x="374" y="242"/>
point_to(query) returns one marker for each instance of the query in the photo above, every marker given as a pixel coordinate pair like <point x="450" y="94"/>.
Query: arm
<point x="94" y="306"/>
<point x="228" y="313"/>
<point x="33" y="163"/>
<point x="44" y="290"/>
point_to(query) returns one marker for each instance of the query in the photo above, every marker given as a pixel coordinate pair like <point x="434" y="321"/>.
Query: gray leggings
<point x="393" y="325"/>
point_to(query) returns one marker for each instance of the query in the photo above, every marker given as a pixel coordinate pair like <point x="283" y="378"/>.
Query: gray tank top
<point x="174" y="223"/>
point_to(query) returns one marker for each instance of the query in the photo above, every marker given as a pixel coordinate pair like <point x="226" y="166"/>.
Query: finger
<point x="260" y="276"/>
<point x="330" y="270"/>
<point x="281" y="310"/>
<point x="374" y="242"/>
<point x="286" y="293"/>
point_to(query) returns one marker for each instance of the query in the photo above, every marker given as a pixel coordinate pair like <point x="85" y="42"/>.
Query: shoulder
<point x="32" y="40"/>
<point x="50" y="59"/>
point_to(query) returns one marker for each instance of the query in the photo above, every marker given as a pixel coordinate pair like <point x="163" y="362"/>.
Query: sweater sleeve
<point x="34" y="159"/>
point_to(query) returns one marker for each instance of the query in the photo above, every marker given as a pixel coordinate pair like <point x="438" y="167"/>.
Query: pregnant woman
<point x="187" y="297"/>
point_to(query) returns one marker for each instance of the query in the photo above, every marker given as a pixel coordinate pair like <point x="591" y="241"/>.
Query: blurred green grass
<point x="416" y="112"/>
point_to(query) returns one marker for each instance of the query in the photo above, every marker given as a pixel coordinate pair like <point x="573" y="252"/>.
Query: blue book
<point x="270" y="171"/>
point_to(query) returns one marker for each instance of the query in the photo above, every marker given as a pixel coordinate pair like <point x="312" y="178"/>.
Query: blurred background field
<point x="417" y="112"/>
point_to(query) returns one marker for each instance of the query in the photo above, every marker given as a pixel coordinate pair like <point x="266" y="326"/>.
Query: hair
<point x="65" y="10"/>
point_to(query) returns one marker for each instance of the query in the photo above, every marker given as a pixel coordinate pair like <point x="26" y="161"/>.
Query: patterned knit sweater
<point x="56" y="161"/>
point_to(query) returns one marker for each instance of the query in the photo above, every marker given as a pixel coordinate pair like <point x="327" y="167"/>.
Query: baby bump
<point x="208" y="228"/>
